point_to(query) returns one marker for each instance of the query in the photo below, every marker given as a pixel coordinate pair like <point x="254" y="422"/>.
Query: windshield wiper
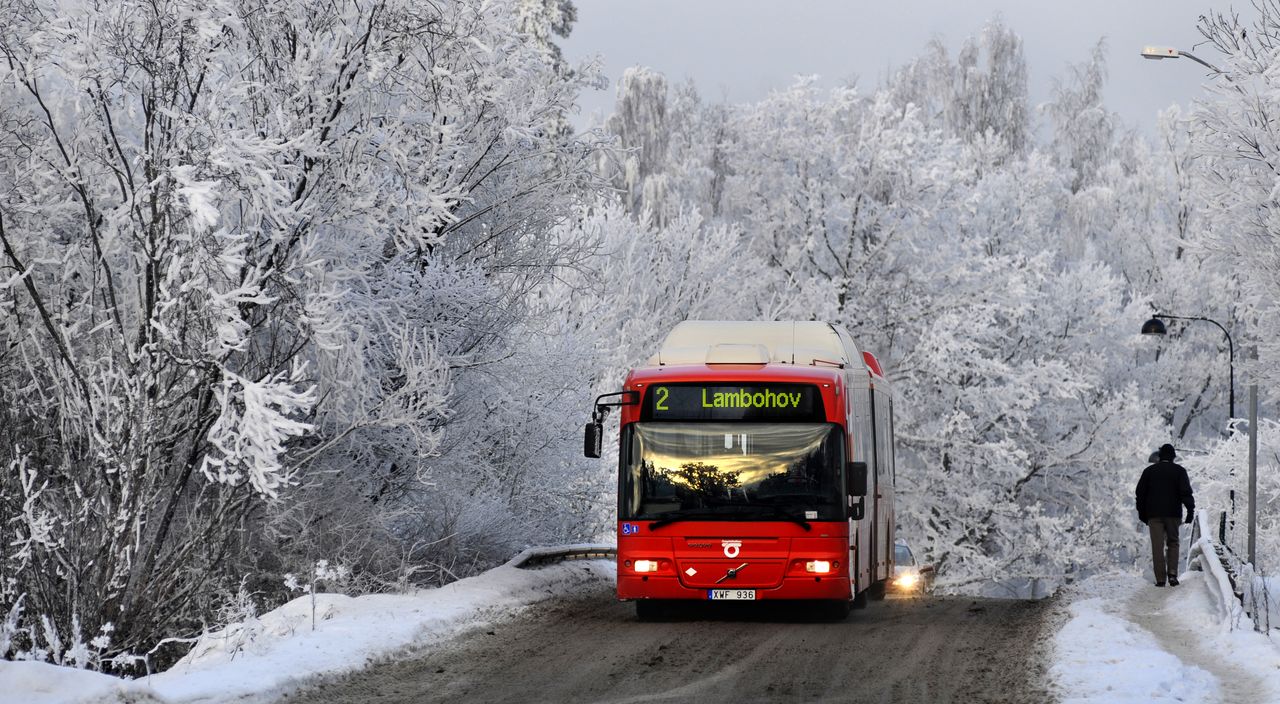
<point x="797" y="499"/>
<point x="773" y="511"/>
<point x="785" y="515"/>
<point x="675" y="516"/>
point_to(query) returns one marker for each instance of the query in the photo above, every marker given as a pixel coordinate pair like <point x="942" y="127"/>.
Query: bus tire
<point x="860" y="601"/>
<point x="649" y="610"/>
<point x="836" y="611"/>
<point x="877" y="590"/>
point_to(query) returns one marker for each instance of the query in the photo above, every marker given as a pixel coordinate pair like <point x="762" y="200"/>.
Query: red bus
<point x="756" y="462"/>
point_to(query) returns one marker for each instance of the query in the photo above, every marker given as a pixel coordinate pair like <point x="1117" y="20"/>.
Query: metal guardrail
<point x="1249" y="587"/>
<point x="534" y="558"/>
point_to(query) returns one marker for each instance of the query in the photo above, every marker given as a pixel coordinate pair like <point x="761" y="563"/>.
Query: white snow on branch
<point x="36" y="527"/>
<point x="201" y="196"/>
<point x="256" y="422"/>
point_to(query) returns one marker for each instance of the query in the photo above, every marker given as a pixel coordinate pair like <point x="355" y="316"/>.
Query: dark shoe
<point x="1159" y="584"/>
<point x="1173" y="581"/>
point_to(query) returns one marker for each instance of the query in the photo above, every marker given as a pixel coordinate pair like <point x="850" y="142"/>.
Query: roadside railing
<point x="534" y="558"/>
<point x="1258" y="599"/>
<point x="1253" y="588"/>
<point x="1239" y="590"/>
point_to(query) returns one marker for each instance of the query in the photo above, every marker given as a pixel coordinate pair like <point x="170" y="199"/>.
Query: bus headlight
<point x="646" y="565"/>
<point x="817" y="566"/>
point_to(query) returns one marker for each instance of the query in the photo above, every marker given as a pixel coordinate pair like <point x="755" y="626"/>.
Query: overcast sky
<point x="739" y="50"/>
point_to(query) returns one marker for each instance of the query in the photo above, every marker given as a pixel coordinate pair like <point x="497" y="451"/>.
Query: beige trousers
<point x="1164" y="546"/>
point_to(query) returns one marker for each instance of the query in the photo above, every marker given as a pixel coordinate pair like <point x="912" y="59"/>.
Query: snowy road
<point x="590" y="648"/>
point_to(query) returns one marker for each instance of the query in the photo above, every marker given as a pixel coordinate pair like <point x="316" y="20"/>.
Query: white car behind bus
<point x="909" y="577"/>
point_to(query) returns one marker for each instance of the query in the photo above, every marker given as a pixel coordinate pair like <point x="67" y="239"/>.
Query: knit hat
<point x="1166" y="452"/>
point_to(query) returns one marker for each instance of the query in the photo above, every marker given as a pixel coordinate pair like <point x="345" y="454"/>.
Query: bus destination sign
<point x="744" y="402"/>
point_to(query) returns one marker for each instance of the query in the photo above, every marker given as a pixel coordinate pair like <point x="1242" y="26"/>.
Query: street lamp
<point x="1156" y="53"/>
<point x="1155" y="326"/>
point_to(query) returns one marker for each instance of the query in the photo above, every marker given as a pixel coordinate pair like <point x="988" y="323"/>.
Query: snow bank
<point x="42" y="683"/>
<point x="259" y="660"/>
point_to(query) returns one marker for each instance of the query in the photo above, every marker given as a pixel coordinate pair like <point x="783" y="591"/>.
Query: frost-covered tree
<point x="672" y="273"/>
<point x="982" y="95"/>
<point x="1083" y="128"/>
<point x="639" y="125"/>
<point x="1236" y="149"/>
<point x="252" y="253"/>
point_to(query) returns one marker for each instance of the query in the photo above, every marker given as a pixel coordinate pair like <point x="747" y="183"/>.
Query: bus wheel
<point x="877" y="590"/>
<point x="860" y="601"/>
<point x="836" y="611"/>
<point x="649" y="610"/>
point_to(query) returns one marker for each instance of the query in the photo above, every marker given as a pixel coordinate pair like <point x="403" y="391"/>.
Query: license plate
<point x="731" y="594"/>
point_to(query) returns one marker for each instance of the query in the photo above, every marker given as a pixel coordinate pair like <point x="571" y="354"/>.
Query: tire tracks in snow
<point x="589" y="648"/>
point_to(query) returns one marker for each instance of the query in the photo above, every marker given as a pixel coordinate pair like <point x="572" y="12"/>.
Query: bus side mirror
<point x="593" y="439"/>
<point x="855" y="477"/>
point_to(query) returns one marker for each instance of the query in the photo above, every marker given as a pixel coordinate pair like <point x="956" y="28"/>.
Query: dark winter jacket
<point x="1163" y="486"/>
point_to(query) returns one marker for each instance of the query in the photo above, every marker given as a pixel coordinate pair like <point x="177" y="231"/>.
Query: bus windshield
<point x="732" y="471"/>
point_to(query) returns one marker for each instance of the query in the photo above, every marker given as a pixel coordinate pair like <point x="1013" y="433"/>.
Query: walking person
<point x="1162" y="492"/>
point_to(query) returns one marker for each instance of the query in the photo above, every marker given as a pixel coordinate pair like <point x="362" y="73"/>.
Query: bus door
<point x="862" y="542"/>
<point x="874" y="512"/>
<point x="882" y="491"/>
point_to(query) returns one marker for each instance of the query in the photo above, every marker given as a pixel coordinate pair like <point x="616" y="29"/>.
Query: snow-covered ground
<point x="1128" y="641"/>
<point x="270" y="655"/>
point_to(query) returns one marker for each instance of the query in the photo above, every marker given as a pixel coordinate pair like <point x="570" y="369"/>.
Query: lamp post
<point x="1168" y="52"/>
<point x="1155" y="326"/>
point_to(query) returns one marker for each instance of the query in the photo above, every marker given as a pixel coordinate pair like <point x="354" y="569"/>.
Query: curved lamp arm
<point x="1231" y="345"/>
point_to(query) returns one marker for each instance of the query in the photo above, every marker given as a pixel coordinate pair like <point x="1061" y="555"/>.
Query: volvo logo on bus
<point x="731" y="547"/>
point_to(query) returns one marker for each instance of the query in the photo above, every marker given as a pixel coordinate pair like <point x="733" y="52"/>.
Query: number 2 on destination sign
<point x="662" y="393"/>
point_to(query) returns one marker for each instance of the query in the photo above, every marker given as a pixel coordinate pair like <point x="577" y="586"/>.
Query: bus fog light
<point x="817" y="566"/>
<point x="646" y="565"/>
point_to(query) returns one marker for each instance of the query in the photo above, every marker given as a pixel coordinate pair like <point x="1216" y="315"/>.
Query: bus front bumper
<point x="831" y="587"/>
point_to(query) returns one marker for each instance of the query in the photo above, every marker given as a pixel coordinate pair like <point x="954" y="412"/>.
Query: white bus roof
<point x="801" y="342"/>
